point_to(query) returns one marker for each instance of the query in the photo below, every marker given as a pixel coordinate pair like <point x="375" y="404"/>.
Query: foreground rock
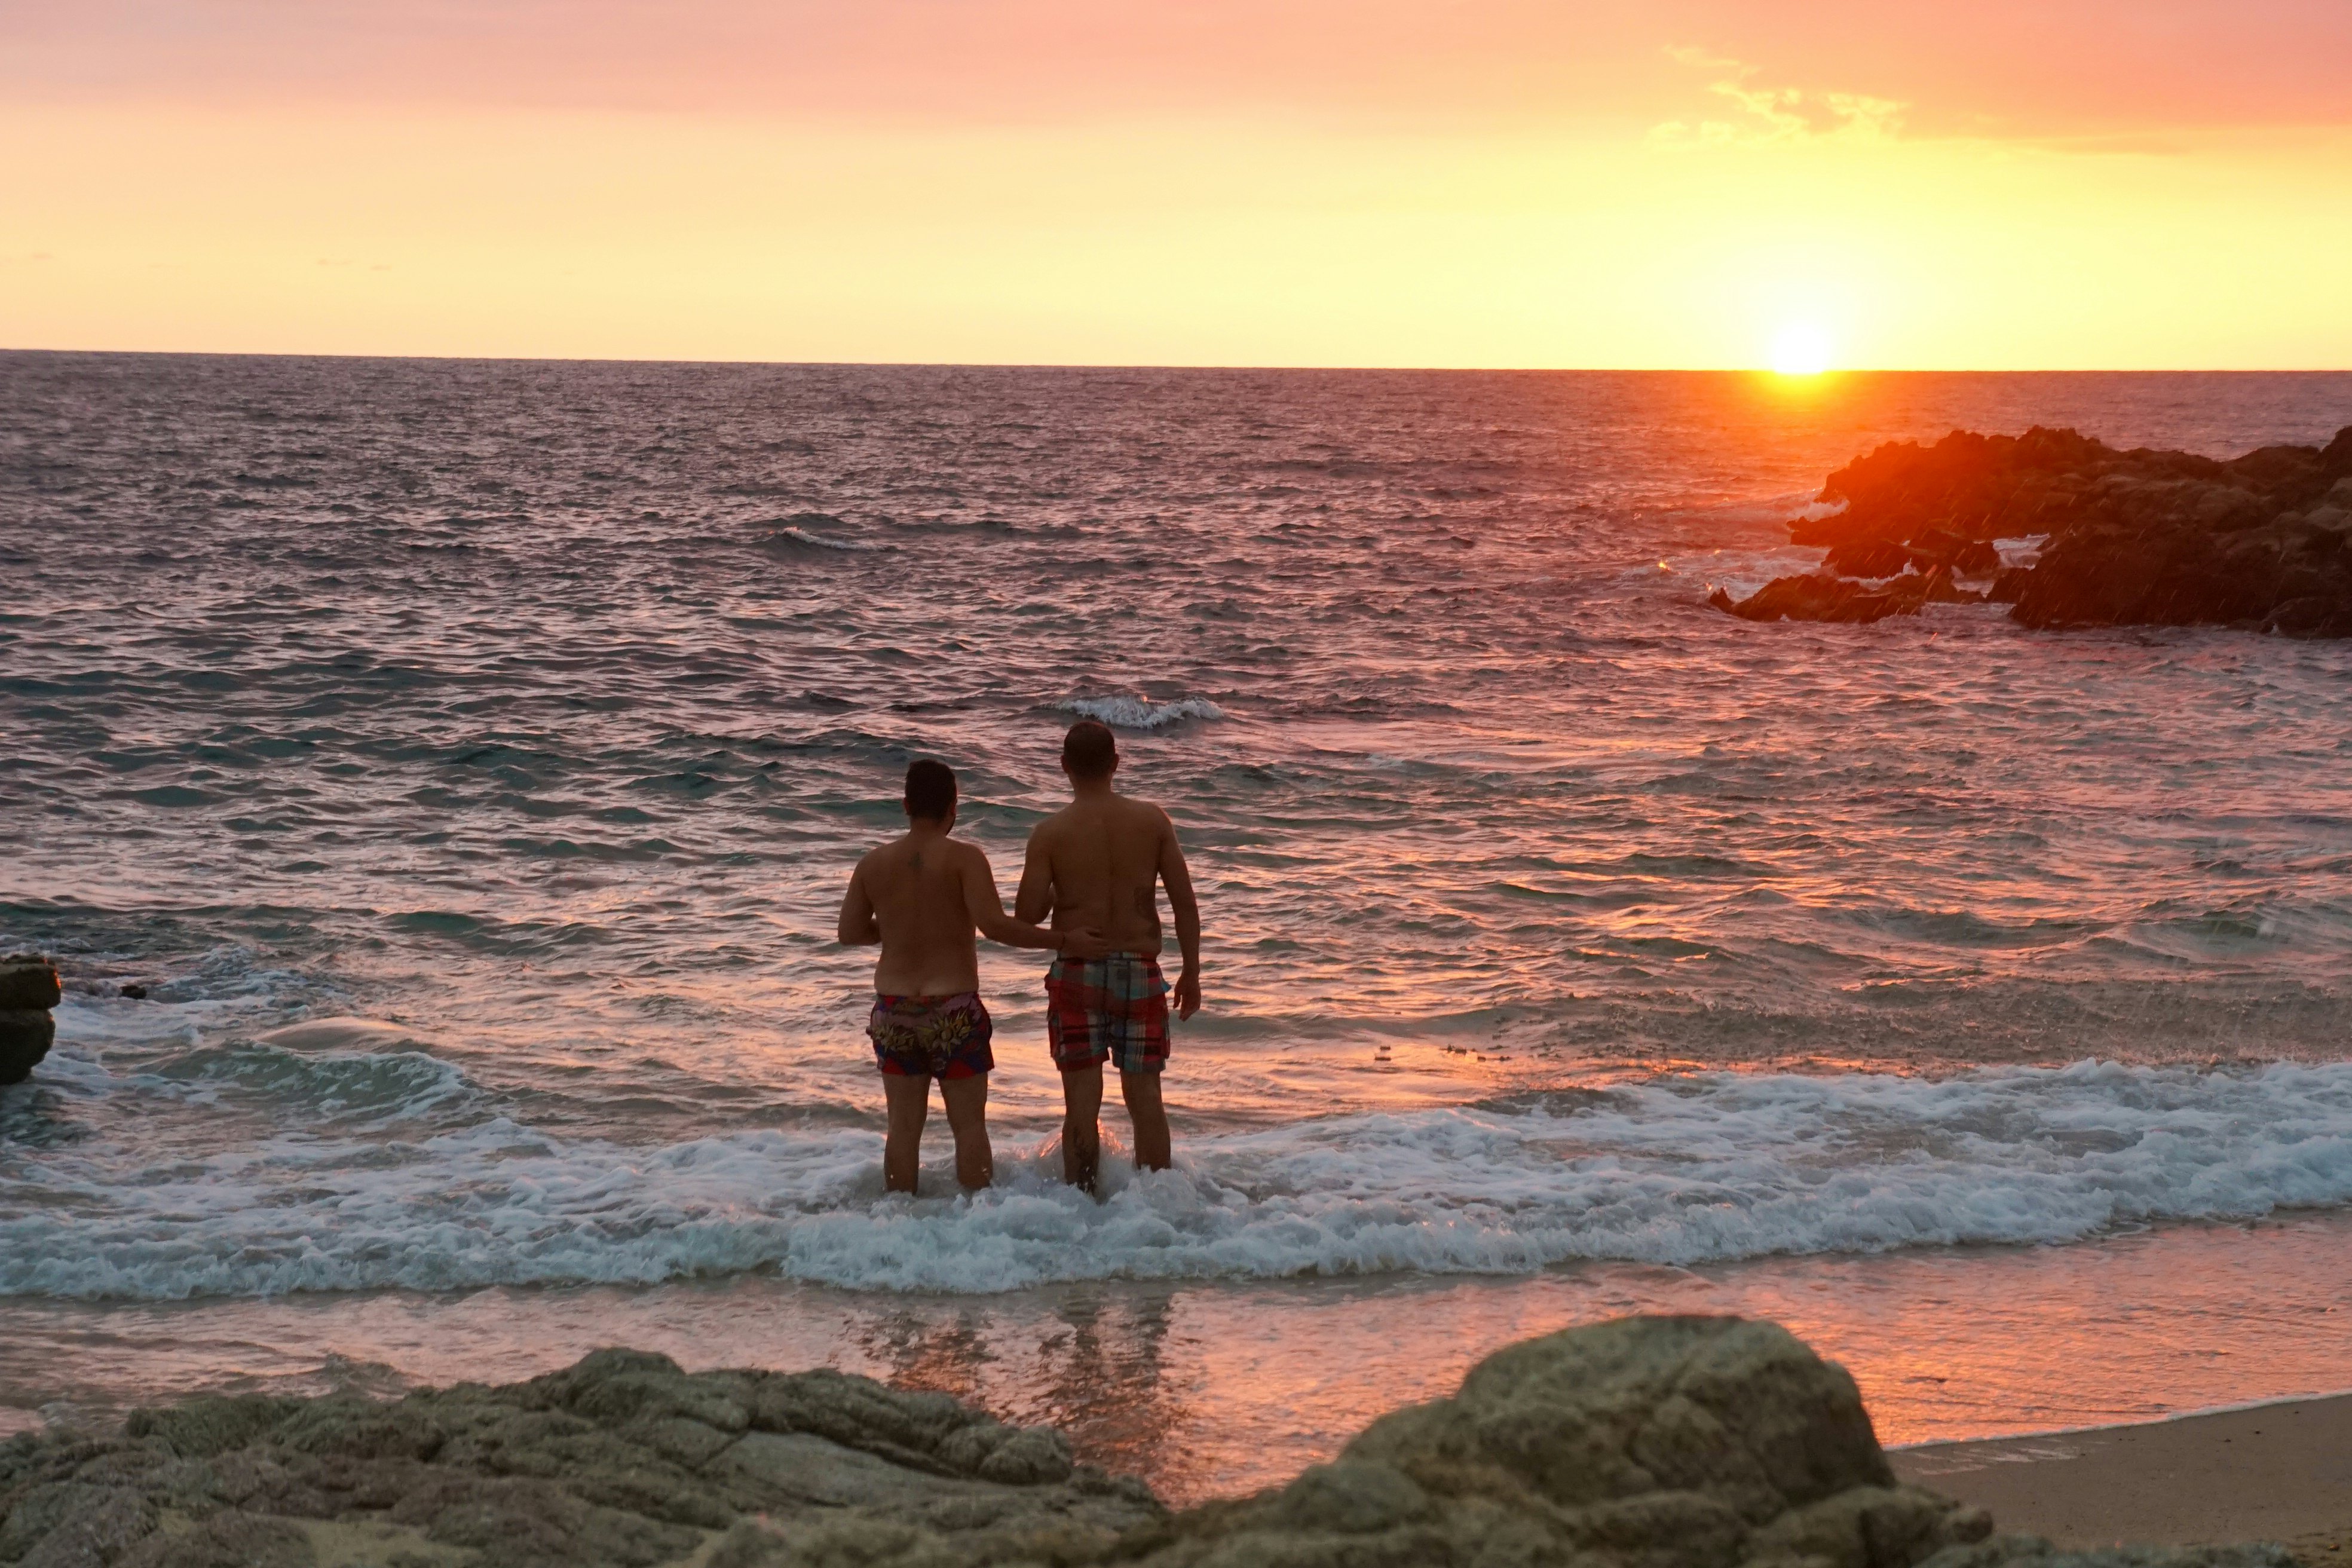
<point x="622" y="1460"/>
<point x="1645" y="1443"/>
<point x="2144" y="538"/>
<point x="28" y="989"/>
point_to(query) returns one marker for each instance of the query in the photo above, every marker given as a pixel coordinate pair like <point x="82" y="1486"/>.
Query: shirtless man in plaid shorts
<point x="1095" y="865"/>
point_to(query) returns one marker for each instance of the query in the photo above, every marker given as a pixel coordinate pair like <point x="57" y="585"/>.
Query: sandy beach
<point x="2273" y="1472"/>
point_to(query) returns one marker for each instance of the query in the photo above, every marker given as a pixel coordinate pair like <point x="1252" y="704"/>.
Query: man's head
<point x="1089" y="754"/>
<point x="931" y="793"/>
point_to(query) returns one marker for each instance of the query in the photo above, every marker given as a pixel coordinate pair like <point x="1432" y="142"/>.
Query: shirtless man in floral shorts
<point x="1094" y="864"/>
<point x="921" y="896"/>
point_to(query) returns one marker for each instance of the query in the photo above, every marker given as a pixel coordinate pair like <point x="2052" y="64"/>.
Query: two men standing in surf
<point x="1094" y="869"/>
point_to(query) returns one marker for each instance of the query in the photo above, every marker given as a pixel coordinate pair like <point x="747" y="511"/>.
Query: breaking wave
<point x="1139" y="712"/>
<point x="1679" y="1171"/>
<point x="803" y="536"/>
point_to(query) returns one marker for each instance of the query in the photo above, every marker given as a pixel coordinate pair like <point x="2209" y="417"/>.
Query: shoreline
<point x="1623" y="1444"/>
<point x="2279" y="1470"/>
<point x="1217" y="1388"/>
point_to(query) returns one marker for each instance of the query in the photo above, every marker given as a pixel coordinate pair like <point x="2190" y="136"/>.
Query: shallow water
<point x="468" y="758"/>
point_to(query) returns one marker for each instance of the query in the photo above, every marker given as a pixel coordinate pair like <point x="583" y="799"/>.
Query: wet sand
<point x="2275" y="1472"/>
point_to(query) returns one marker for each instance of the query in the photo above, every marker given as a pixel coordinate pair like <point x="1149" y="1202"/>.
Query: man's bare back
<point x="1102" y="856"/>
<point x="923" y="897"/>
<point x="928" y="895"/>
<point x="1098" y="864"/>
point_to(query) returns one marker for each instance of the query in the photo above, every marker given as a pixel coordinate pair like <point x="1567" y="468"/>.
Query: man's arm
<point x="860" y="926"/>
<point x="1178" y="878"/>
<point x="1034" y="899"/>
<point x="987" y="910"/>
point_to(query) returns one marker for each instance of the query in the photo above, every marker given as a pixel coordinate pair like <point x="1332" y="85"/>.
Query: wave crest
<point x="1139" y="712"/>
<point x="1687" y="1170"/>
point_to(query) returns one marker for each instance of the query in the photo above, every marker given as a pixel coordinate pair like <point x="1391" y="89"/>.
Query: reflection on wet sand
<point x="1211" y="1390"/>
<point x="1098" y="1371"/>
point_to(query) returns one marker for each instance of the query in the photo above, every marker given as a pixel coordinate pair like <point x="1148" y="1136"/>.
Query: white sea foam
<point x="1141" y="712"/>
<point x="1688" y="1170"/>
<point x="803" y="536"/>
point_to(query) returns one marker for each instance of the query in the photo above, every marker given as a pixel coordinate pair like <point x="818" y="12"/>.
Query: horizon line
<point x="1206" y="367"/>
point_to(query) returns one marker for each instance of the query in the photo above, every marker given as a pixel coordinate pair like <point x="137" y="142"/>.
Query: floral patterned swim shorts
<point x="931" y="1036"/>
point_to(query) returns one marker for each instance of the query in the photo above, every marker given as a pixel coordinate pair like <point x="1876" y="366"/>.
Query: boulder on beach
<point x="2263" y="541"/>
<point x="1644" y="1442"/>
<point x="620" y="1461"/>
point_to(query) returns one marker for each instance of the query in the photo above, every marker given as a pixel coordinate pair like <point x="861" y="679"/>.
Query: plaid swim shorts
<point x="1111" y="1009"/>
<point x="931" y="1036"/>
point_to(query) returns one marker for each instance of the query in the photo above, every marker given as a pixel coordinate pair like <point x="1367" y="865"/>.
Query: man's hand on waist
<point x="1083" y="943"/>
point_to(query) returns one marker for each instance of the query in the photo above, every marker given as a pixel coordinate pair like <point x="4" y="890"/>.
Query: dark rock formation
<point x="2142" y="538"/>
<point x="28" y="989"/>
<point x="1645" y="1443"/>
<point x="1934" y="549"/>
<point x="1821" y="597"/>
<point x="28" y="983"/>
<point x="1975" y="558"/>
<point x="1869" y="558"/>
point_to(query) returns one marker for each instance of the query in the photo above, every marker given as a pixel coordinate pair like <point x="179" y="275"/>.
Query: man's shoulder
<point x="880" y="855"/>
<point x="1146" y="812"/>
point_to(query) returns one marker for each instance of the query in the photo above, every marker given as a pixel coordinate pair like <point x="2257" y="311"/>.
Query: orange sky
<point x="1671" y="183"/>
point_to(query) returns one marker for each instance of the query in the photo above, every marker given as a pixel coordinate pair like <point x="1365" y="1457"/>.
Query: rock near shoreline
<point x="28" y="989"/>
<point x="1644" y="1442"/>
<point x="2139" y="538"/>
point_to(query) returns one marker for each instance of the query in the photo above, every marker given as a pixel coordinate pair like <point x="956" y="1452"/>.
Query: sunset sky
<point x="2014" y="183"/>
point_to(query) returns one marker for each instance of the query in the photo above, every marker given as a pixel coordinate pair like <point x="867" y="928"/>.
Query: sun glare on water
<point x="1800" y="350"/>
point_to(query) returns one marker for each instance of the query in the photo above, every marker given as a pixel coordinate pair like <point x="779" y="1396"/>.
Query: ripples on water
<point x="469" y="756"/>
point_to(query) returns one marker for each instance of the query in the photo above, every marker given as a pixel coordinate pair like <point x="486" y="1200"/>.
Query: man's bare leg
<point x="967" y="1103"/>
<point x="1144" y="1109"/>
<point x="1081" y="1135"/>
<point x="908" y="1099"/>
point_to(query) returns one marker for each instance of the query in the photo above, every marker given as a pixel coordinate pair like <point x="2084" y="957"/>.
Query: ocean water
<point x="467" y="760"/>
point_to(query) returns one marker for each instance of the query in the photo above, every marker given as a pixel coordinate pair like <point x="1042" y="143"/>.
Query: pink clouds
<point x="1999" y="67"/>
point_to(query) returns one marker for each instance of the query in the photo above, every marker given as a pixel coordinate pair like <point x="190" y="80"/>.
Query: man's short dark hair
<point x="1088" y="750"/>
<point x="930" y="790"/>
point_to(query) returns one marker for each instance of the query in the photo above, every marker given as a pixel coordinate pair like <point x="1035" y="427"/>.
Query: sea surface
<point x="467" y="759"/>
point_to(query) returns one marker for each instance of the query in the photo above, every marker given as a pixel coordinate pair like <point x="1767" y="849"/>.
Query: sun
<point x="1800" y="349"/>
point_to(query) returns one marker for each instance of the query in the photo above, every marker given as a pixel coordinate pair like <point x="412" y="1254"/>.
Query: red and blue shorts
<point x="931" y="1036"/>
<point x="1112" y="1009"/>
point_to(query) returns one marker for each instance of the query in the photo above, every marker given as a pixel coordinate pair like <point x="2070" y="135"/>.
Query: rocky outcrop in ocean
<point x="1644" y="1442"/>
<point x="2263" y="541"/>
<point x="28" y="989"/>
